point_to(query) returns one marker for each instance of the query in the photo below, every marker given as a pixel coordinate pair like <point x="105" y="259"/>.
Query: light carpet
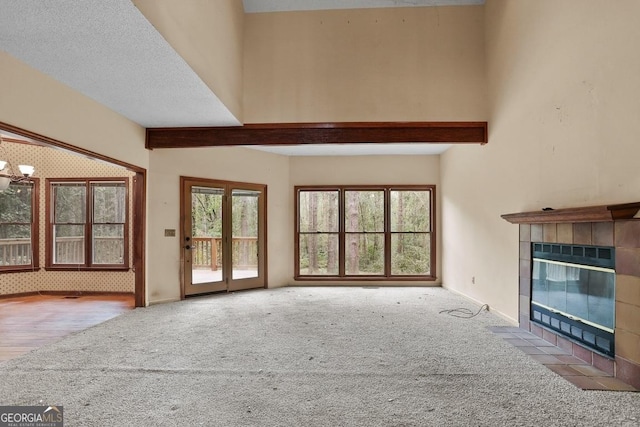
<point x="327" y="356"/>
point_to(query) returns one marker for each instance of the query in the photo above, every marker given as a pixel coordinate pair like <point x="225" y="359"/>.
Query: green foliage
<point x="109" y="203"/>
<point x="206" y="211"/>
<point x="70" y="203"/>
<point x="363" y="217"/>
<point x="15" y="211"/>
<point x="415" y="256"/>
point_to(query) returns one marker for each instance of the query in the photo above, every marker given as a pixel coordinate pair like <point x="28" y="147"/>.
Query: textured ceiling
<point x="257" y="6"/>
<point x="108" y="51"/>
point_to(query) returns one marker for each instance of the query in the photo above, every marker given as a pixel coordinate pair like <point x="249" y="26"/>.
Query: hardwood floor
<point x="29" y="322"/>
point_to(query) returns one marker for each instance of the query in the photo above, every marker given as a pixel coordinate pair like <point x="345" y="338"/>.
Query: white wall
<point x="354" y="170"/>
<point x="564" y="101"/>
<point x="228" y="164"/>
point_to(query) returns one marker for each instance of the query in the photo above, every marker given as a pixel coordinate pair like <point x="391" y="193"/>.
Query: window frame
<point x="35" y="231"/>
<point x="387" y="233"/>
<point x="88" y="264"/>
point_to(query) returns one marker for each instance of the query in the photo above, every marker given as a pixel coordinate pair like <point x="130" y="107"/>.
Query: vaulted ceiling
<point x="109" y="51"/>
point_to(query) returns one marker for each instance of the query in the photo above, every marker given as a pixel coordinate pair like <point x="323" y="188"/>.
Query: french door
<point x="222" y="236"/>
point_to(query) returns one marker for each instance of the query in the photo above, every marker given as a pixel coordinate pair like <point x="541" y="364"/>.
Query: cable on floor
<point x="464" y="313"/>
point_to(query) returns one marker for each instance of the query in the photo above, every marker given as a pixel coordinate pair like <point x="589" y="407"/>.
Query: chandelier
<point x="8" y="172"/>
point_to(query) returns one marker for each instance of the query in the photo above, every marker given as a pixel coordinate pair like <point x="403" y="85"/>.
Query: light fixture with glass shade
<point x="8" y="172"/>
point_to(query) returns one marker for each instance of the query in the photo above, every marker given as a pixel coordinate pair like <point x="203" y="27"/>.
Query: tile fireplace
<point x="579" y="283"/>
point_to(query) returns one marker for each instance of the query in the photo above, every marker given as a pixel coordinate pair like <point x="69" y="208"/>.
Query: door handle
<point x="188" y="247"/>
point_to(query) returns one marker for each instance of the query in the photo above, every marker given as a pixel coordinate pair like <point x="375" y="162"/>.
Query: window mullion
<point x="88" y="227"/>
<point x="387" y="232"/>
<point x="341" y="235"/>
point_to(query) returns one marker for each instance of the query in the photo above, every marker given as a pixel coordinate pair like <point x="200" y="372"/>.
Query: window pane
<point x="15" y="204"/>
<point x="364" y="211"/>
<point x="70" y="203"/>
<point x="319" y="254"/>
<point x="68" y="241"/>
<point x="206" y="234"/>
<point x="318" y="211"/>
<point x="364" y="254"/>
<point x="244" y="239"/>
<point x="410" y="210"/>
<point x="601" y="298"/>
<point x="109" y="202"/>
<point x="108" y="244"/>
<point x="410" y="254"/>
<point x="15" y="244"/>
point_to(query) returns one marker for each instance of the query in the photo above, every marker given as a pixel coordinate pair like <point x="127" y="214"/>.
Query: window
<point x="19" y="227"/>
<point x="356" y="232"/>
<point x="87" y="224"/>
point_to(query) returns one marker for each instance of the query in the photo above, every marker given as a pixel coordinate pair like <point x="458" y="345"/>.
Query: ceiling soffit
<point x="261" y="6"/>
<point x="108" y="51"/>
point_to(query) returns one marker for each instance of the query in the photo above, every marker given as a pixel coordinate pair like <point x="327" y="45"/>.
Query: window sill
<point x="17" y="269"/>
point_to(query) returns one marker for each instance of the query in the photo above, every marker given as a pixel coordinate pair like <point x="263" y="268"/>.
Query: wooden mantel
<point x="601" y="213"/>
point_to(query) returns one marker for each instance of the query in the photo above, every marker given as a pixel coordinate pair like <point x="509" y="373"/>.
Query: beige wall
<point x="34" y="101"/>
<point x="53" y="163"/>
<point x="229" y="164"/>
<point x="354" y="170"/>
<point x="280" y="174"/>
<point x="564" y="96"/>
<point x="402" y="64"/>
<point x="208" y="35"/>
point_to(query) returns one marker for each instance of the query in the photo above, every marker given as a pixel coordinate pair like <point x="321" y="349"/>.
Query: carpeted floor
<point x="304" y="357"/>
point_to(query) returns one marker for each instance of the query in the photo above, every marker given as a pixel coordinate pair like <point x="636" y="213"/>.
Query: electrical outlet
<point x="473" y="280"/>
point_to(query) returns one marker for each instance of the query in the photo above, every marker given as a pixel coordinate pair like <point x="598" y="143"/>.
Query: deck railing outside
<point x="15" y="251"/>
<point x="106" y="250"/>
<point x="207" y="252"/>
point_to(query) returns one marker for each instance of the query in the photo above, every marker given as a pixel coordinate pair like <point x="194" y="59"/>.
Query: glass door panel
<point x="245" y="233"/>
<point x="203" y="208"/>
<point x="247" y="246"/>
<point x="206" y="235"/>
<point x="223" y="241"/>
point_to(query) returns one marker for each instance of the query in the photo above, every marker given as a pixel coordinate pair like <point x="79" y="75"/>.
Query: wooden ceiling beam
<point x="319" y="133"/>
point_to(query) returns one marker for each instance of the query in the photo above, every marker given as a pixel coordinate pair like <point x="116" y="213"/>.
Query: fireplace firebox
<point x="573" y="292"/>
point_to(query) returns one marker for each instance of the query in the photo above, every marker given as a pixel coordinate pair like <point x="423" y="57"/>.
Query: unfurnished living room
<point x="319" y="212"/>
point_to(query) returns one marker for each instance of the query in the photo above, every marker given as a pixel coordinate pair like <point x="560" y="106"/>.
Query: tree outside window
<point x="18" y="227"/>
<point x="354" y="232"/>
<point x="88" y="224"/>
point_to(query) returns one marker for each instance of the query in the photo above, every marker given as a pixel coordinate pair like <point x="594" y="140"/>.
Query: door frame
<point x="139" y="203"/>
<point x="262" y="229"/>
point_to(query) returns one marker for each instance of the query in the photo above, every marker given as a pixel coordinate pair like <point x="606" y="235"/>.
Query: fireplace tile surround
<point x="624" y="235"/>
